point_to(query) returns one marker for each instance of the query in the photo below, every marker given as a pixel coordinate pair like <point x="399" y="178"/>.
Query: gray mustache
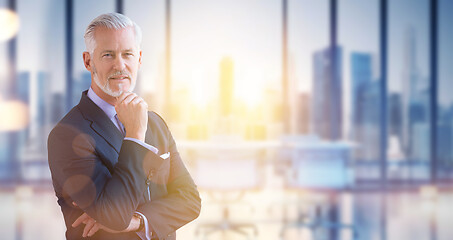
<point x="119" y="73"/>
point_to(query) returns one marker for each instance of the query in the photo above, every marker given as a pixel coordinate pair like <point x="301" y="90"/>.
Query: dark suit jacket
<point x="108" y="177"/>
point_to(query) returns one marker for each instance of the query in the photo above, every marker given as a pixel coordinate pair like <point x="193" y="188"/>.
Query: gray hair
<point x="110" y="21"/>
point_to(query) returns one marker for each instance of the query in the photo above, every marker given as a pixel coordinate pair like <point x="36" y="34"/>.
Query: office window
<point x="83" y="12"/>
<point x="308" y="36"/>
<point x="408" y="90"/>
<point x="226" y="68"/>
<point x="445" y="98"/>
<point x="358" y="39"/>
<point x="150" y="16"/>
<point x="358" y="46"/>
<point x="38" y="83"/>
<point x="5" y="83"/>
<point x="3" y="56"/>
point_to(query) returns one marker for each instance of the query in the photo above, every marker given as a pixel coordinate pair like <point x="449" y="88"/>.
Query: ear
<point x="140" y="59"/>
<point x="87" y="60"/>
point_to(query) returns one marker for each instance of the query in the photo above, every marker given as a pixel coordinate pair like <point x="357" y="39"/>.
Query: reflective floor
<point x="266" y="214"/>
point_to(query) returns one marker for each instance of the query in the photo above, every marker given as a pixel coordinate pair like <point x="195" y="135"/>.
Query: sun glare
<point x="9" y="24"/>
<point x="15" y="115"/>
<point x="250" y="88"/>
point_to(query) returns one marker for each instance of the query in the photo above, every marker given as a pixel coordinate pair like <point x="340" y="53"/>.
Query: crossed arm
<point x="165" y="214"/>
<point x="91" y="226"/>
<point x="112" y="199"/>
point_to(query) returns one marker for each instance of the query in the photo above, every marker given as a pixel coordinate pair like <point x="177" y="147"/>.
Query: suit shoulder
<point x="72" y="122"/>
<point x="157" y="119"/>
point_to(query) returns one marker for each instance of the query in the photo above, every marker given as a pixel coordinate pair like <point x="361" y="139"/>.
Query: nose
<point x="119" y="64"/>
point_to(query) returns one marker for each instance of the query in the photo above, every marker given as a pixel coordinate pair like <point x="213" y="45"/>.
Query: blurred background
<point x="298" y="119"/>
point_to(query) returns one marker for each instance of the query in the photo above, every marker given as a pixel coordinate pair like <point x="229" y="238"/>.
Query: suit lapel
<point x="100" y="122"/>
<point x="149" y="137"/>
<point x="152" y="137"/>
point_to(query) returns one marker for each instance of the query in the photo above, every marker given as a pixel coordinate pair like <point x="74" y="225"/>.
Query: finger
<point x="122" y="96"/>
<point x="93" y="230"/>
<point x="80" y="220"/>
<point x="137" y="100"/>
<point x="129" y="98"/>
<point x="88" y="227"/>
<point x="144" y="103"/>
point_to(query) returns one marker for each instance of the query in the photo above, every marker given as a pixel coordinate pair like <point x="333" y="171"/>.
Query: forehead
<point x="114" y="39"/>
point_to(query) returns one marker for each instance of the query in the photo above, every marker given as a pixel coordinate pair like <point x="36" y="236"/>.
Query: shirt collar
<point x="105" y="106"/>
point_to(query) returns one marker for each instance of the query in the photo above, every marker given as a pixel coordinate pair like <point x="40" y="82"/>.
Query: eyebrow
<point x="111" y="51"/>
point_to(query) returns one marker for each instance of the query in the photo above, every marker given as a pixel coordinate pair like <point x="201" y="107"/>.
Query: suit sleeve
<point x="110" y="197"/>
<point x="181" y="205"/>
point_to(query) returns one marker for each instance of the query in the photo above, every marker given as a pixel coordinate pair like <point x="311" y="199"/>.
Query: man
<point x="115" y="168"/>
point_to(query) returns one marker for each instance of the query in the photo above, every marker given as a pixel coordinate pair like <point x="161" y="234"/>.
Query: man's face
<point x="115" y="61"/>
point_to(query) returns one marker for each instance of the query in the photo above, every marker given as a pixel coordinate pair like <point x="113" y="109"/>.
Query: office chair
<point x="319" y="167"/>
<point x="226" y="169"/>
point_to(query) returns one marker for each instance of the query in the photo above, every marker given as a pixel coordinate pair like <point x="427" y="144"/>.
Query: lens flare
<point x="9" y="24"/>
<point x="14" y="115"/>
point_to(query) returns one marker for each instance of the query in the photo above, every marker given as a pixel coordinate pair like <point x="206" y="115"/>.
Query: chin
<point x="124" y="87"/>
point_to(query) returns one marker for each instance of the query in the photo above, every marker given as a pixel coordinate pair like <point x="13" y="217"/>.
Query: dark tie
<point x="120" y="125"/>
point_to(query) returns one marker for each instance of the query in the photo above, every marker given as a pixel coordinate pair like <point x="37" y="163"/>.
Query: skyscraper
<point x="415" y="102"/>
<point x="303" y="113"/>
<point x="327" y="94"/>
<point x="23" y="87"/>
<point x="23" y="94"/>
<point x="395" y="107"/>
<point x="80" y="86"/>
<point x="360" y="78"/>
<point x="226" y="86"/>
<point x="365" y="107"/>
<point x="57" y="108"/>
<point x="444" y="141"/>
<point x="42" y="97"/>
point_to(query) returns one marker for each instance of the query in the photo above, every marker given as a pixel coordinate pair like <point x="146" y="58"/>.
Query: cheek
<point x="102" y="76"/>
<point x="134" y="66"/>
<point x="103" y="68"/>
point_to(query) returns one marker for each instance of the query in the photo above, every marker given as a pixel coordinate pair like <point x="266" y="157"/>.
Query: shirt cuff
<point x="146" y="145"/>
<point x="145" y="233"/>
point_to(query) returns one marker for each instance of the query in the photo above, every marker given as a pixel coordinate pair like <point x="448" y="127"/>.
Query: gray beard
<point x="106" y="87"/>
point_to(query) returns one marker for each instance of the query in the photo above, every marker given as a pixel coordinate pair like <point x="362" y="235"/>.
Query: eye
<point x="106" y="55"/>
<point x="128" y="54"/>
